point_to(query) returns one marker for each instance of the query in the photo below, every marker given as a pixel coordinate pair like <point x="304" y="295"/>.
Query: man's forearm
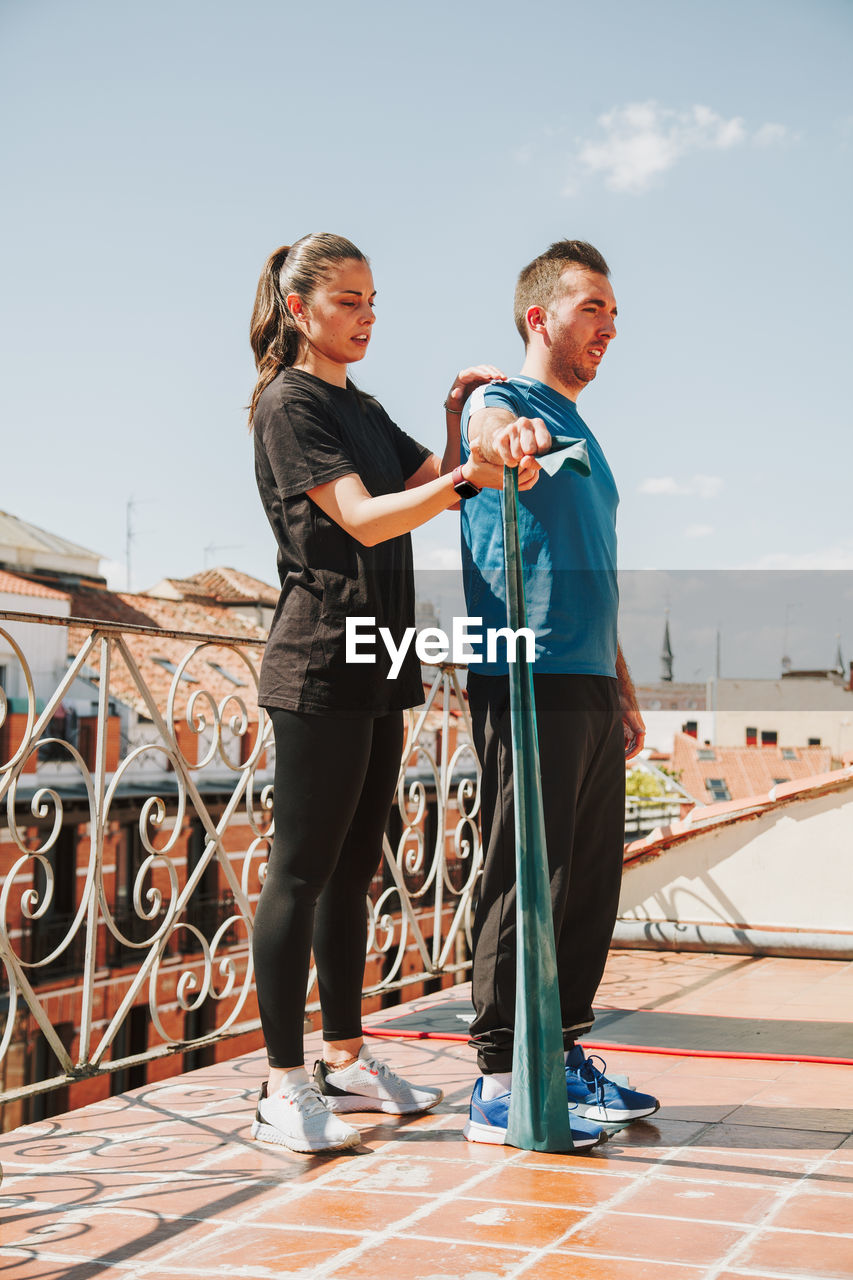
<point x="483" y="426"/>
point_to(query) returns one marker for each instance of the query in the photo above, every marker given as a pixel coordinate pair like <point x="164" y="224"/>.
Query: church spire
<point x="666" y="654"/>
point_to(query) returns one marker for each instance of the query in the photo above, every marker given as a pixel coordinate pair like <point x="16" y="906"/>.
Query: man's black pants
<point x="582" y="759"/>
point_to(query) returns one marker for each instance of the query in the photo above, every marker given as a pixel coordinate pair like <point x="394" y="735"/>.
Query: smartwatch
<point x="465" y="488"/>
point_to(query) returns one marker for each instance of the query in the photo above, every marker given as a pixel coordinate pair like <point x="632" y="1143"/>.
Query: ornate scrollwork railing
<point x="132" y="857"/>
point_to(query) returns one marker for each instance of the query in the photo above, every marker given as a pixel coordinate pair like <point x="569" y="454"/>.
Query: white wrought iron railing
<point x="159" y="939"/>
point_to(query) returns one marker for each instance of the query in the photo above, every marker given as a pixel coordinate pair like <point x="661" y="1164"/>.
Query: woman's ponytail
<point x="273" y="333"/>
<point x="296" y="268"/>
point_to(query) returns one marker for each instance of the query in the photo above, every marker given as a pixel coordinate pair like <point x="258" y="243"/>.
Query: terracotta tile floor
<point x="746" y="1171"/>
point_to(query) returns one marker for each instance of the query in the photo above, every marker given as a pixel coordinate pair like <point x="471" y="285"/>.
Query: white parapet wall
<point x="778" y="867"/>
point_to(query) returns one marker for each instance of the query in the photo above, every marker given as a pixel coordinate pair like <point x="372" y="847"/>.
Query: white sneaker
<point x="299" y="1120"/>
<point x="368" y="1085"/>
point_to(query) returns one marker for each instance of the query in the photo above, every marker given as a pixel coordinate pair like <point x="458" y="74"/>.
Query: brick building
<point x="152" y="837"/>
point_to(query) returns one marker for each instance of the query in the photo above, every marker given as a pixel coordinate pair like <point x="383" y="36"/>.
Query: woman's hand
<point x="466" y="381"/>
<point x="487" y="475"/>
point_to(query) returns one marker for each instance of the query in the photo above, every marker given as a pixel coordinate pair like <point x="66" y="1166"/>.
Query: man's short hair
<point x="539" y="282"/>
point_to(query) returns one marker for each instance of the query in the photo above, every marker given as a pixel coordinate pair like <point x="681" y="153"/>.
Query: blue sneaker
<point x="487" y="1122"/>
<point x="601" y="1099"/>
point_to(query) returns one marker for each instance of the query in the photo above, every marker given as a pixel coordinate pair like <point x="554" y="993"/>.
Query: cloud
<point x="839" y="556"/>
<point x="698" y="531"/>
<point x="644" y="139"/>
<point x="770" y="134"/>
<point x="438" y="558"/>
<point x="695" y="487"/>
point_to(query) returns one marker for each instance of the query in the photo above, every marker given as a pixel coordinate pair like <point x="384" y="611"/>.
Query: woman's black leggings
<point x="334" y="783"/>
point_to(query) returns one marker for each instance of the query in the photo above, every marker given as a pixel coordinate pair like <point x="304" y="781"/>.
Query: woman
<point x="342" y="487"/>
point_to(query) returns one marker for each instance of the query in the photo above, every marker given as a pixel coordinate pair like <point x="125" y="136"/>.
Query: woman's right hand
<point x="466" y="381"/>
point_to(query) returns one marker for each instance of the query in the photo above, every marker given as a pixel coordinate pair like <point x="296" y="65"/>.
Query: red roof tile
<point x="728" y="811"/>
<point x="747" y="771"/>
<point x="11" y="584"/>
<point x="229" y="586"/>
<point x="216" y="669"/>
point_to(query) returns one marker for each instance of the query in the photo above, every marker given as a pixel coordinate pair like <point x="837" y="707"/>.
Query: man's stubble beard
<point x="568" y="368"/>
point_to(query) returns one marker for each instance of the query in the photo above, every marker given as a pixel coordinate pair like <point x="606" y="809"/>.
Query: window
<point x="130" y="853"/>
<point x="222" y="671"/>
<point x="46" y="932"/>
<point x="131" y="1039"/>
<point x="43" y="1066"/>
<point x="788" y="753"/>
<point x="196" y="841"/>
<point x="203" y="907"/>
<point x="751" y="736"/>
<point x="718" y="789"/>
<point x="691" y="728"/>
<point x="706" y="753"/>
<point x="814" y="742"/>
<point x="64" y="727"/>
<point x="171" y="668"/>
<point x="769" y="737"/>
<point x="777" y="782"/>
<point x="197" y="1023"/>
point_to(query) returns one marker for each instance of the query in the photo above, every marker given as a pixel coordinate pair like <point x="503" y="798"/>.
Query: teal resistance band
<point x="539" y="1110"/>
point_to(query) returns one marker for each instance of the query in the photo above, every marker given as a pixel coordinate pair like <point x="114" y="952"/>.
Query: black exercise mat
<point x="651" y="1029"/>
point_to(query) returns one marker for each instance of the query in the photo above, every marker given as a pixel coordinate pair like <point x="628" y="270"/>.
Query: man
<point x="587" y="715"/>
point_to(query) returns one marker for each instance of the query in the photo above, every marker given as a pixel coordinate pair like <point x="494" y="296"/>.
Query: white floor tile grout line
<point x="392" y="1151"/>
<point x="653" y="1174"/>
<point x="650" y="1175"/>
<point x="539" y="1254"/>
<point x="670" y="1262"/>
<point x="214" y="1221"/>
<point x="137" y="1271"/>
<point x="784" y="1195"/>
<point x="206" y="1166"/>
<point x="733" y="1184"/>
<point x="224" y="1151"/>
<point x="645" y="1215"/>
<point x="372" y="1238"/>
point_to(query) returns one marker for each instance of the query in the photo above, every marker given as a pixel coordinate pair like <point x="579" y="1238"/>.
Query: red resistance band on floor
<point x="627" y="1048"/>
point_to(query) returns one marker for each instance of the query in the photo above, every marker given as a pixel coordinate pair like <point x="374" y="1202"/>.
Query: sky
<point x="153" y="155"/>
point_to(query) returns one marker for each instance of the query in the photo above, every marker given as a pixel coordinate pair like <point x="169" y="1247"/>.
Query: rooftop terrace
<point x="745" y="1171"/>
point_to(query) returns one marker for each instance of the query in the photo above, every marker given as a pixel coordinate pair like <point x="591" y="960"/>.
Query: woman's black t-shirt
<point x="308" y="432"/>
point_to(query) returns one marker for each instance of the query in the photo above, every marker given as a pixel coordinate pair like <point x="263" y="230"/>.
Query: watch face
<point x="466" y="489"/>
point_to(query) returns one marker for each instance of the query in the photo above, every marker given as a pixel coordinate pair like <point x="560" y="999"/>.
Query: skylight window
<point x="718" y="788"/>
<point x="227" y="675"/>
<point x="788" y="753"/>
<point x="706" y="753"/>
<point x="172" y="669"/>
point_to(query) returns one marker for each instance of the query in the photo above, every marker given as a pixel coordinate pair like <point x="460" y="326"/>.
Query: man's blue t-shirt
<point x="567" y="531"/>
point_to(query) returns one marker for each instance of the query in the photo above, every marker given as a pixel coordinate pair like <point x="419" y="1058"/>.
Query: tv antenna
<point x="221" y="546"/>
